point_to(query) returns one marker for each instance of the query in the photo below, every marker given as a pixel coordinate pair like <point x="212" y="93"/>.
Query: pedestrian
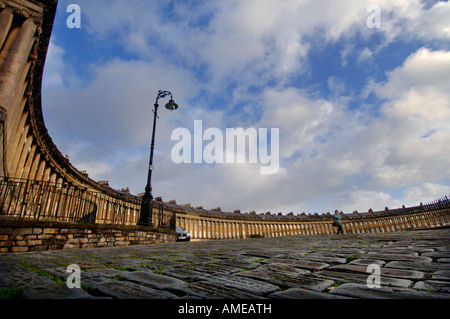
<point x="338" y="222"/>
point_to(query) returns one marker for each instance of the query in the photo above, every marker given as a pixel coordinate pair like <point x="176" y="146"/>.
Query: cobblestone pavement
<point x="413" y="264"/>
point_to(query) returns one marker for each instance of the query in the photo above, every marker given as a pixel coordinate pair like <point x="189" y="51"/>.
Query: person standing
<point x="338" y="222"/>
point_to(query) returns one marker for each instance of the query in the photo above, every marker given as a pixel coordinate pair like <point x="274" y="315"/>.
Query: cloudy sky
<point x="363" y="110"/>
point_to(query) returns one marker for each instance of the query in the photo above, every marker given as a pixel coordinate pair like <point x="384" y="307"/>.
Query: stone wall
<point x="24" y="236"/>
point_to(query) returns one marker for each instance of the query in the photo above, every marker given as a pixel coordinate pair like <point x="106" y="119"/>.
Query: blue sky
<point x="363" y="113"/>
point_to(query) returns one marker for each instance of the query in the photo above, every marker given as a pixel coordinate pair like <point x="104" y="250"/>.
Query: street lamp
<point x="145" y="218"/>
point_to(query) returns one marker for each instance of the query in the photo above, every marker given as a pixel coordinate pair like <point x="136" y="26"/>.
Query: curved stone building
<point x="38" y="182"/>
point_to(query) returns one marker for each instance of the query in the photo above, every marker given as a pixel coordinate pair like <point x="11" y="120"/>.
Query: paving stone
<point x="185" y="274"/>
<point x="54" y="291"/>
<point x="15" y="276"/>
<point x="347" y="277"/>
<point x="362" y="291"/>
<point x="391" y="257"/>
<point x="150" y="265"/>
<point x="256" y="287"/>
<point x="60" y="272"/>
<point x="413" y="263"/>
<point x="258" y="254"/>
<point x="309" y="265"/>
<point x="443" y="260"/>
<point x="150" y="279"/>
<point x="282" y="268"/>
<point x="344" y="252"/>
<point x="287" y="280"/>
<point x="420" y="249"/>
<point x="441" y="275"/>
<point x="403" y="251"/>
<point x="298" y="293"/>
<point x="385" y="272"/>
<point x="420" y="266"/>
<point x="242" y="264"/>
<point x="433" y="285"/>
<point x="326" y="259"/>
<point x="367" y="262"/>
<point x="216" y="268"/>
<point x="438" y="254"/>
<point x="211" y="290"/>
<point x="104" y="272"/>
<point x="85" y="265"/>
<point x="129" y="290"/>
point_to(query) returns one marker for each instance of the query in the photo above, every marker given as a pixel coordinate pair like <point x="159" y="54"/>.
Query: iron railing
<point x="443" y="202"/>
<point x="163" y="216"/>
<point x="43" y="200"/>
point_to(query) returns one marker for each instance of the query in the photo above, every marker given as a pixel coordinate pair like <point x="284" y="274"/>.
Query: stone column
<point x="214" y="229"/>
<point x="15" y="62"/>
<point x="2" y="141"/>
<point x="200" y="228"/>
<point x="6" y="18"/>
<point x="447" y="216"/>
<point x="34" y="167"/>
<point x="419" y="220"/>
<point x="28" y="161"/>
<point x="435" y="217"/>
<point x="218" y="229"/>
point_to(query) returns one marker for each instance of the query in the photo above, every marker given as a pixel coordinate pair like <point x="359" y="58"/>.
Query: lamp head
<point x="171" y="105"/>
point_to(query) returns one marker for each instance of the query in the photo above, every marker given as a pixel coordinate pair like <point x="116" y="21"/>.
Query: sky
<point x="359" y="92"/>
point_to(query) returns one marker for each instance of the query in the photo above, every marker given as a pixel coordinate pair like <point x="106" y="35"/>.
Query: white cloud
<point x="332" y="156"/>
<point x="418" y="115"/>
<point x="247" y="40"/>
<point x="434" y="23"/>
<point x="426" y="192"/>
<point x="404" y="19"/>
<point x="423" y="70"/>
<point x="366" y="55"/>
<point x="53" y="76"/>
<point x="363" y="200"/>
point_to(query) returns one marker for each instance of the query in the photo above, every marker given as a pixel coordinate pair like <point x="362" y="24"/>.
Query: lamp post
<point x="145" y="218"/>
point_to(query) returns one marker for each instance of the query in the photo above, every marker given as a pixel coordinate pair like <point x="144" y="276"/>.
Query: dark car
<point x="182" y="235"/>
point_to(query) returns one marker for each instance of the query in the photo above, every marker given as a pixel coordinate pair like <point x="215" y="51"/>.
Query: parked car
<point x="182" y="235"/>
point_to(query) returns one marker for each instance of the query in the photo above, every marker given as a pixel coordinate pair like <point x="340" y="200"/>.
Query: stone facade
<point x="218" y="225"/>
<point x="27" y="151"/>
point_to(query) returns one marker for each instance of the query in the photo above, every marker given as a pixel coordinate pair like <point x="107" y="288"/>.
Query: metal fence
<point x="39" y="200"/>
